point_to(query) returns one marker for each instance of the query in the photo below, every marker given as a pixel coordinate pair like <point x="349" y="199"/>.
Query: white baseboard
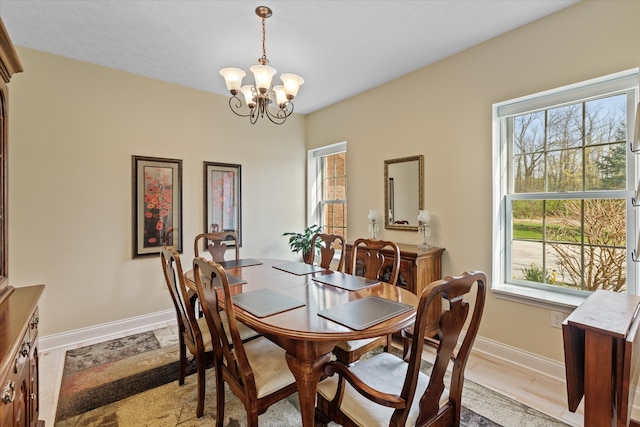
<point x="513" y="355"/>
<point x="495" y="350"/>
<point x="107" y="331"/>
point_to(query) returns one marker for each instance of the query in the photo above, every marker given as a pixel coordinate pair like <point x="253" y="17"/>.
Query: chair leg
<point x="201" y="384"/>
<point x="219" y="398"/>
<point x="182" y="363"/>
<point x="252" y="419"/>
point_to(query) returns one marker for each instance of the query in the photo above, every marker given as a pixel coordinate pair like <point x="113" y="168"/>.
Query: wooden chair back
<point x="400" y="399"/>
<point x="452" y="319"/>
<point x="375" y="262"/>
<point x="191" y="335"/>
<point x="217" y="244"/>
<point x="233" y="357"/>
<point x="211" y="279"/>
<point x="327" y="250"/>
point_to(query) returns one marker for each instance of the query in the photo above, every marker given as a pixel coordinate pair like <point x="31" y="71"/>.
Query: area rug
<point x="132" y="381"/>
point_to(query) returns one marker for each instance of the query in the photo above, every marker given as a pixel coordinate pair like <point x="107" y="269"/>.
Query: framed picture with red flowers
<point x="222" y="198"/>
<point x="157" y="204"/>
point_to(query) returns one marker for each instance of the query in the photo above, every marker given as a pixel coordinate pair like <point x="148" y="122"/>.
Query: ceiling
<point x="340" y="48"/>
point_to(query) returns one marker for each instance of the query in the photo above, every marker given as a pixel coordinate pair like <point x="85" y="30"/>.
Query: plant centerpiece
<point x="301" y="242"/>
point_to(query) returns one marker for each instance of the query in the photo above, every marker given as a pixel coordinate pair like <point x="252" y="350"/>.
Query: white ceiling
<point x="341" y="48"/>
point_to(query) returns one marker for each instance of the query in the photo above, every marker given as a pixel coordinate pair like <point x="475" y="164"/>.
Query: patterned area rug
<point x="132" y="381"/>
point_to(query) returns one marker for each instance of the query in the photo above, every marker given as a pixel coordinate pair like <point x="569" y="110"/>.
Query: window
<point x="328" y="188"/>
<point x="564" y="179"/>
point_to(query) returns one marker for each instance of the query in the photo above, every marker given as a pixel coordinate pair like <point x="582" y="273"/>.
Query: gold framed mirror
<point x="403" y="192"/>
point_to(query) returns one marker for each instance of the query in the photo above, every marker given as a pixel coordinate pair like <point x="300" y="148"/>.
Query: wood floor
<point x="538" y="391"/>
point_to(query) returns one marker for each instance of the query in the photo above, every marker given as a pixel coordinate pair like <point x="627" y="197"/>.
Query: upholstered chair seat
<point x="269" y="366"/>
<point x="365" y="412"/>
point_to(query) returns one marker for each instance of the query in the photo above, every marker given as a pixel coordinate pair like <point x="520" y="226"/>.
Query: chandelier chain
<point x="264" y="60"/>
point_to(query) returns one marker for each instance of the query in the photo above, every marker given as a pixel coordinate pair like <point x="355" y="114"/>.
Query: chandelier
<point x="260" y="99"/>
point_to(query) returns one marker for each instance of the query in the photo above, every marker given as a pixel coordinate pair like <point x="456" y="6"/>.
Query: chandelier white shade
<point x="260" y="99"/>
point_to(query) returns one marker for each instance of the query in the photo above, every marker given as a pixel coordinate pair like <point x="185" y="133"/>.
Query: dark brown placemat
<point x="233" y="263"/>
<point x="364" y="313"/>
<point x="265" y="302"/>
<point x="345" y="281"/>
<point x="299" y="268"/>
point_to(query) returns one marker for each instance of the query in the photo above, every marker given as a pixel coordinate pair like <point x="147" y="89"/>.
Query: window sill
<point x="537" y="297"/>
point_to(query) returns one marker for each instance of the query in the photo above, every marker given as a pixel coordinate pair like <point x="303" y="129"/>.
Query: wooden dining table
<point x="307" y="337"/>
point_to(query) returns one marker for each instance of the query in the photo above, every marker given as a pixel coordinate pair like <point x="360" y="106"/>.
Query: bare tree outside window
<point x="568" y="223"/>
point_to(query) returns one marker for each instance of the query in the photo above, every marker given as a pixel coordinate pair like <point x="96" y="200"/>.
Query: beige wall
<point x="73" y="129"/>
<point x="444" y="112"/>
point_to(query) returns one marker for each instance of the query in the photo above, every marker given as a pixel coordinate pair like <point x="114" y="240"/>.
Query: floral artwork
<point x="157" y="197"/>
<point x="222" y="198"/>
<point x="223" y="192"/>
<point x="158" y="201"/>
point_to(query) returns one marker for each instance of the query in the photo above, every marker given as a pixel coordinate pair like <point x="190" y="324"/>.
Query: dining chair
<point x="193" y="331"/>
<point x="217" y="244"/>
<point x="327" y="250"/>
<point x="387" y="390"/>
<point x="256" y="371"/>
<point x="373" y="264"/>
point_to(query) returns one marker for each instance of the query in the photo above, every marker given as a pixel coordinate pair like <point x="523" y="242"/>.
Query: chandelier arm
<point x="280" y="115"/>
<point x="275" y="119"/>
<point x="254" y="116"/>
<point x="238" y="105"/>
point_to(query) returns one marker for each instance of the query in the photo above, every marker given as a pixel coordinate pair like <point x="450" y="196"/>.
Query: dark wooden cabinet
<point x="9" y="64"/>
<point x="19" y="319"/>
<point x="418" y="268"/>
<point x="19" y="371"/>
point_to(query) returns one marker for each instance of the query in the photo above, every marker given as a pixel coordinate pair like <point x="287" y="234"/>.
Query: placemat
<point x="233" y="263"/>
<point x="265" y="302"/>
<point x="233" y="280"/>
<point x="299" y="268"/>
<point x="345" y="281"/>
<point x="364" y="313"/>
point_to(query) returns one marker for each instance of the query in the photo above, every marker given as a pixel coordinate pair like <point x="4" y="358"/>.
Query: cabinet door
<point x="406" y="279"/>
<point x="8" y="393"/>
<point x="21" y="403"/>
<point x="34" y="389"/>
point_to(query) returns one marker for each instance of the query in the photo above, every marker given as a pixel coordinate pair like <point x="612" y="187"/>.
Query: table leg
<point x="307" y="374"/>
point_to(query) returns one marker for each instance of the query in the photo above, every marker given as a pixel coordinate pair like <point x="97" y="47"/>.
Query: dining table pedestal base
<point x="307" y="374"/>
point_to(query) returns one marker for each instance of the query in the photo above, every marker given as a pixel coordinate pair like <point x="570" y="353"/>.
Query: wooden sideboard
<point x="418" y="268"/>
<point x="19" y="371"/>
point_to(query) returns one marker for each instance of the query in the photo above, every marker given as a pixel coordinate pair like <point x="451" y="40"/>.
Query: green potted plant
<point x="301" y="242"/>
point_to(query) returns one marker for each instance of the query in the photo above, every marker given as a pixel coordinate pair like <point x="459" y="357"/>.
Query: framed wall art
<point x="222" y="198"/>
<point x="157" y="204"/>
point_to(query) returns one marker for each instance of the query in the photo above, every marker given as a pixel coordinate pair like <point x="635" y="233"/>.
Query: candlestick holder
<point x="373" y="228"/>
<point x="373" y="224"/>
<point x="425" y="229"/>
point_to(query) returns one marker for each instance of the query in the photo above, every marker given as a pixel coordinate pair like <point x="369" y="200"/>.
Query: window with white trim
<point x="327" y="168"/>
<point x="564" y="177"/>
